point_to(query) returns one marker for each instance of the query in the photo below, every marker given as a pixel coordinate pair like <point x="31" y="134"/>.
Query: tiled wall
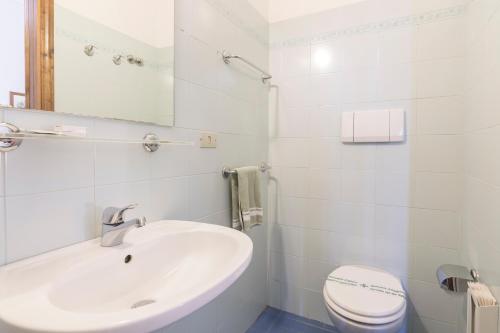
<point x="53" y="193"/>
<point x="481" y="208"/>
<point x="394" y="206"/>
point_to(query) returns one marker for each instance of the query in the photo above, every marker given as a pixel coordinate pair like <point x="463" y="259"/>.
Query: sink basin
<point x="161" y="273"/>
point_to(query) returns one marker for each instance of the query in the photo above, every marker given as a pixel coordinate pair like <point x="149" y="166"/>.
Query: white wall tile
<point x="316" y="273"/>
<point x="398" y="46"/>
<point x="481" y="209"/>
<point x="183" y="15"/>
<point x="358" y="157"/>
<point x="395" y="256"/>
<point x="392" y="222"/>
<point x="432" y="302"/>
<point x="324" y="184"/>
<point x="396" y="81"/>
<point x="38" y="229"/>
<point x="361" y="51"/>
<point x="294" y="123"/>
<point x="325" y="122"/>
<point x="443" y="115"/>
<point x="394" y="188"/>
<point x="292" y="299"/>
<point x="324" y="153"/>
<point x="296" y="92"/>
<point x="439" y="78"/>
<point x="395" y="157"/>
<point x="436" y="191"/>
<point x="297" y="60"/>
<point x="45" y="165"/>
<point x="288" y="240"/>
<point x="204" y="21"/>
<point x="359" y="85"/>
<point x="204" y="63"/>
<point x="482" y="158"/>
<point x="358" y="186"/>
<point x="169" y="198"/>
<point x="439" y="40"/>
<point x="294" y="211"/>
<point x="316" y="245"/>
<point x="327" y="57"/>
<point x="436" y="228"/>
<point x="315" y="307"/>
<point x="289" y="152"/>
<point x="426" y="325"/>
<point x="351" y="250"/>
<point x="121" y="163"/>
<point x="221" y="218"/>
<point x="201" y="198"/>
<point x="352" y="219"/>
<point x="438" y="153"/>
<point x="428" y="259"/>
<point x="171" y="161"/>
<point x="325" y="89"/>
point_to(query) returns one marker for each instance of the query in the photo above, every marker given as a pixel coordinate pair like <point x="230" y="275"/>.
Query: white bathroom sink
<point x="175" y="268"/>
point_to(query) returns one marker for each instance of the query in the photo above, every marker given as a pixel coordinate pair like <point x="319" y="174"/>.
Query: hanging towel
<point x="245" y="198"/>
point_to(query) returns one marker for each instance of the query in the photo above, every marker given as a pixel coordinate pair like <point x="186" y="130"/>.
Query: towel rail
<point x="226" y="56"/>
<point x="226" y="171"/>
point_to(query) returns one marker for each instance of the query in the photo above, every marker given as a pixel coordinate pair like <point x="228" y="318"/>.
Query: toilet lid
<point x="365" y="292"/>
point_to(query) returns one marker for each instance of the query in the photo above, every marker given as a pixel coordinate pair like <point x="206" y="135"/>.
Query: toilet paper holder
<point x="454" y="278"/>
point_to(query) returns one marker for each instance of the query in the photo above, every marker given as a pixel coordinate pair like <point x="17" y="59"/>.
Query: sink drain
<point x="142" y="303"/>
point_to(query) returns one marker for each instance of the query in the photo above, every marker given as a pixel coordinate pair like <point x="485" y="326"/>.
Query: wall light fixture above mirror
<point x="100" y="58"/>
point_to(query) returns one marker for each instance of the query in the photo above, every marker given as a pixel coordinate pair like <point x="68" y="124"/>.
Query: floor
<point x="277" y="321"/>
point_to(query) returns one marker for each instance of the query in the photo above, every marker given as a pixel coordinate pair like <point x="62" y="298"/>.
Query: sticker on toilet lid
<point x="367" y="286"/>
<point x="357" y="289"/>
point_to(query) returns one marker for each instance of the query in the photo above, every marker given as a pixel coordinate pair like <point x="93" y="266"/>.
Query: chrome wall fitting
<point x="139" y="62"/>
<point x="117" y="59"/>
<point x="150" y="145"/>
<point x="9" y="144"/>
<point x="89" y="50"/>
<point x="131" y="59"/>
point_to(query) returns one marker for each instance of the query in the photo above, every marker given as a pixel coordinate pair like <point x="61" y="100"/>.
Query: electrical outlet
<point x="208" y="140"/>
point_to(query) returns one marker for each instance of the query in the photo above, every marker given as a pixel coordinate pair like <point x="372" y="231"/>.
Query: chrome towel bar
<point x="226" y="171"/>
<point x="226" y="57"/>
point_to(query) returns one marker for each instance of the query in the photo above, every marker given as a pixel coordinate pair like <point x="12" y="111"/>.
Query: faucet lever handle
<point x="114" y="215"/>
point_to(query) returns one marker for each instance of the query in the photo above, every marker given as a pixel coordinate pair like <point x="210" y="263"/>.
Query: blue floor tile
<point x="276" y="321"/>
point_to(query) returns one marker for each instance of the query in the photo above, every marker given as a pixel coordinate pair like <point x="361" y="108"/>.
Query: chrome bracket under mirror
<point x="9" y="144"/>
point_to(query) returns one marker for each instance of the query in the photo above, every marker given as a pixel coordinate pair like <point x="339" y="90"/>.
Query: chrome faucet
<point x="114" y="228"/>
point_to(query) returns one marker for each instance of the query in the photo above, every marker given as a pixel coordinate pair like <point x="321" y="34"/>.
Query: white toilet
<point x="362" y="299"/>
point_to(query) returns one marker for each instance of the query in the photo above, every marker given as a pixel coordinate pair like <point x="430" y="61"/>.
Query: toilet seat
<point x="365" y="295"/>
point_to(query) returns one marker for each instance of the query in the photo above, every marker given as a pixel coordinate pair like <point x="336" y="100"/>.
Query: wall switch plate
<point x="208" y="140"/>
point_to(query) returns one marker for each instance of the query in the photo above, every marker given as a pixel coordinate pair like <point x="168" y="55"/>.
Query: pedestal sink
<point x="160" y="274"/>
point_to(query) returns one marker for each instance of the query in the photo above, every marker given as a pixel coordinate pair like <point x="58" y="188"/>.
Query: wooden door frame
<point x="39" y="54"/>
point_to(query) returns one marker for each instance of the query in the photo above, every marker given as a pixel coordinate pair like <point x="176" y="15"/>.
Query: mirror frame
<point x="39" y="54"/>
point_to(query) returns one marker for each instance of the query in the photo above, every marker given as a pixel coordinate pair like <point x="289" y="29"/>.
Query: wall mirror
<point x="101" y="58"/>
